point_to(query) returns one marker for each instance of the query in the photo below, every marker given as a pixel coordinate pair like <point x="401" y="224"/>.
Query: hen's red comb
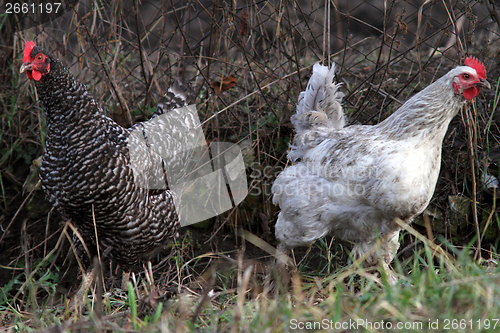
<point x="28" y="46"/>
<point x="477" y="65"/>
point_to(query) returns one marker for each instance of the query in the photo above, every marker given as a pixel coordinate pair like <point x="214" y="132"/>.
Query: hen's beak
<point x="25" y="67"/>
<point x="483" y="83"/>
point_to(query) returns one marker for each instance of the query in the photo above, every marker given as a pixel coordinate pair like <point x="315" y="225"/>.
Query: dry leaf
<point x="122" y="117"/>
<point x="243" y="30"/>
<point x="227" y="83"/>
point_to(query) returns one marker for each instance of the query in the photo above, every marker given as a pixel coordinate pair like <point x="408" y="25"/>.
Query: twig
<point x="118" y="95"/>
<point x="141" y="56"/>
<point x="493" y="13"/>
<point x="451" y="12"/>
<point x="471" y="125"/>
<point x="5" y="230"/>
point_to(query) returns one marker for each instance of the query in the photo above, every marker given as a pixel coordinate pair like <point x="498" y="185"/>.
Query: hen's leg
<point x="391" y="247"/>
<point x="284" y="266"/>
<point x="125" y="279"/>
<point x="89" y="271"/>
<point x="79" y="300"/>
<point x="385" y="249"/>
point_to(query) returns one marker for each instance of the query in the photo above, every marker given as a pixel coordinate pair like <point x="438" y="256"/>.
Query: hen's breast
<point x="83" y="167"/>
<point x="394" y="177"/>
<point x="407" y="177"/>
<point x="87" y="177"/>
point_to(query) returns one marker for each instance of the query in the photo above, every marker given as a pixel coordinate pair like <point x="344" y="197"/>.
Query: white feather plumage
<point x="319" y="107"/>
<point x="320" y="104"/>
<point x="354" y="182"/>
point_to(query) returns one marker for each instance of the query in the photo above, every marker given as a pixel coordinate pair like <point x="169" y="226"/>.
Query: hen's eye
<point x="466" y="76"/>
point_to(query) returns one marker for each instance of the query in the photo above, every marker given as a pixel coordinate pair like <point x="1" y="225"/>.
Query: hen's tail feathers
<point x="319" y="111"/>
<point x="177" y="96"/>
<point x="320" y="105"/>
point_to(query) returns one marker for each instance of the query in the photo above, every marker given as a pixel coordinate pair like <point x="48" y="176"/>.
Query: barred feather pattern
<point x="86" y="174"/>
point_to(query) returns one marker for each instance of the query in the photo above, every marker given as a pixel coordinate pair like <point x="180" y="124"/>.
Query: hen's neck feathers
<point x="428" y="113"/>
<point x="65" y="99"/>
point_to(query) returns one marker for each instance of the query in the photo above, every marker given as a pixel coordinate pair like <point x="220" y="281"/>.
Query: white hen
<point x="353" y="182"/>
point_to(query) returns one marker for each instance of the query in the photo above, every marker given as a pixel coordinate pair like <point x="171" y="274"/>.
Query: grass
<point x="434" y="294"/>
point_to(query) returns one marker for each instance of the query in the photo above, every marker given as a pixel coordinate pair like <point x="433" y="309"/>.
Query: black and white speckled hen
<point x="354" y="182"/>
<point x="86" y="170"/>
